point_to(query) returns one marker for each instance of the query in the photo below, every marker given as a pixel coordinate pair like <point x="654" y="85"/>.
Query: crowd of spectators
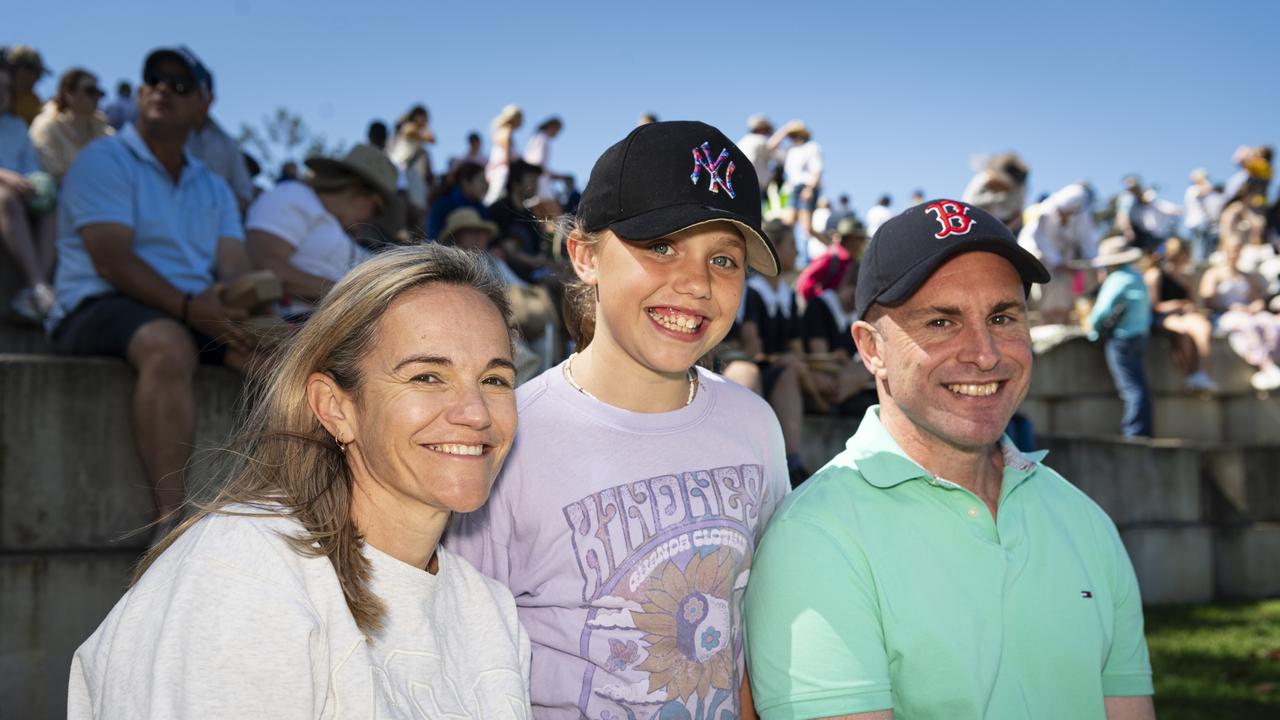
<point x="147" y="208"/>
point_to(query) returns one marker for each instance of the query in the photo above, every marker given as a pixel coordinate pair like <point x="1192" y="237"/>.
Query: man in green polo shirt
<point x="931" y="570"/>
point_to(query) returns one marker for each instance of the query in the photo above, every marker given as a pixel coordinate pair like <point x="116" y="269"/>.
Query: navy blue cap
<point x="911" y="246"/>
<point x="183" y="55"/>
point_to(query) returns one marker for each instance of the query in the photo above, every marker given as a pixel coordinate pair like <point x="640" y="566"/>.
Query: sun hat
<point x="28" y="56"/>
<point x="365" y="162"/>
<point x="758" y="121"/>
<point x="849" y="226"/>
<point x="1114" y="251"/>
<point x="467" y="218"/>
<point x="909" y="247"/>
<point x="665" y="177"/>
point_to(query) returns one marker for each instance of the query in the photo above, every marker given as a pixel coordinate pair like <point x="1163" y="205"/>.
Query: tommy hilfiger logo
<point x="1086" y="594"/>
<point x="953" y="217"/>
<point x="702" y="161"/>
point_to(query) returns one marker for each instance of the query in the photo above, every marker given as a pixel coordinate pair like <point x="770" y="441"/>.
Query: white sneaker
<point x="1198" y="381"/>
<point x="1267" y="379"/>
<point x="43" y="299"/>
<point x="24" y="306"/>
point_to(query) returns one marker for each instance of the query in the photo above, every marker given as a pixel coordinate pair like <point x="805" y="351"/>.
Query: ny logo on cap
<point x="702" y="160"/>
<point x="953" y="217"/>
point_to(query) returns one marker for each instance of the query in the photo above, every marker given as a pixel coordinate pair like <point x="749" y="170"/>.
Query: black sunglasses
<point x="181" y="85"/>
<point x="93" y="90"/>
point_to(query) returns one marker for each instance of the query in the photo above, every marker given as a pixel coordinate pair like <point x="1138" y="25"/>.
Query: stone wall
<point x="74" y="505"/>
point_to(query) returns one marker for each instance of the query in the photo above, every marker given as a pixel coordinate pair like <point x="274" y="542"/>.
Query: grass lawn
<point x="1216" y="661"/>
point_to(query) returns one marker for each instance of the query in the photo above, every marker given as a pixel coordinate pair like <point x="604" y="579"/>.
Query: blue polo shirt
<point x="176" y="227"/>
<point x="878" y="586"/>
<point x="1123" y="287"/>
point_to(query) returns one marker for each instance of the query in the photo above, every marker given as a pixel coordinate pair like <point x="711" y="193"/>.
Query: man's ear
<point x="870" y="347"/>
<point x="584" y="256"/>
<point x="332" y="406"/>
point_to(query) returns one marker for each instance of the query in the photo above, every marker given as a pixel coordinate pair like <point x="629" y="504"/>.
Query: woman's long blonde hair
<point x="282" y="460"/>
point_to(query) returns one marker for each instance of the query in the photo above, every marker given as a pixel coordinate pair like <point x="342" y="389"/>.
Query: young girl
<point x="626" y="518"/>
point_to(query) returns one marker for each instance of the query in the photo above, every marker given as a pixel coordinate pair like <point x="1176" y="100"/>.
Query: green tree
<point x="285" y="136"/>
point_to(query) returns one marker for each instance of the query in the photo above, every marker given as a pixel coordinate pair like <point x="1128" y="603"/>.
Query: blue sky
<point x="900" y="95"/>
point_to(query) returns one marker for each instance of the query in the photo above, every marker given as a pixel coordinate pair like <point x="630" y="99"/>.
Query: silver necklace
<point x="568" y="376"/>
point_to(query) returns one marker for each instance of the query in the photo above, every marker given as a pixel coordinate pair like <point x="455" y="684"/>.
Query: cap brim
<point x="321" y="164"/>
<point x="167" y="54"/>
<point x="1124" y="257"/>
<point x="489" y="227"/>
<point x="761" y="255"/>
<point x="1029" y="268"/>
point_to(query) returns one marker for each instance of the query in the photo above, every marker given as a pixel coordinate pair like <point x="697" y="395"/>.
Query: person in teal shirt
<point x="1121" y="319"/>
<point x="932" y="570"/>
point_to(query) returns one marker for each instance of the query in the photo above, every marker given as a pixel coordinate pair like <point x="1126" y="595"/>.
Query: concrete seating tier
<point x="1072" y="393"/>
<point x="71" y="492"/>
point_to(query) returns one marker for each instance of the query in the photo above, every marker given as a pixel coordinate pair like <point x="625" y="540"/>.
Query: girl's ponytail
<point x="578" y="306"/>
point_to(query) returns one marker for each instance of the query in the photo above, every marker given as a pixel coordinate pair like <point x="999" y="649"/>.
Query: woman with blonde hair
<point x="313" y="585"/>
<point x="502" y="150"/>
<point x="69" y="122"/>
<point x="1238" y="307"/>
<point x="1175" y="311"/>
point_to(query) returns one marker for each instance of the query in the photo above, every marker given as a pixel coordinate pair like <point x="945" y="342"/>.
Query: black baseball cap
<point x="667" y="176"/>
<point x="911" y="246"/>
<point x="183" y="55"/>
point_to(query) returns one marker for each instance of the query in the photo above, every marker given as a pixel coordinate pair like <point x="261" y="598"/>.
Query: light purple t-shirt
<point x="626" y="539"/>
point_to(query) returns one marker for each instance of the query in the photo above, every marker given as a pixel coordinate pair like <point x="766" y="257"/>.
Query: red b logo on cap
<point x="953" y="217"/>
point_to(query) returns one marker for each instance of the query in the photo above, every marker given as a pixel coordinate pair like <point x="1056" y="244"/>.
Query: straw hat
<point x="1115" y="251"/>
<point x="365" y="162"/>
<point x="759" y="123"/>
<point x="798" y="128"/>
<point x="466" y="218"/>
<point x="28" y="56"/>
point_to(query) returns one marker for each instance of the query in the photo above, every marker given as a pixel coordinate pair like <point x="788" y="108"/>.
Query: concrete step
<point x="1077" y="367"/>
<point x="70" y="476"/>
<point x="20" y="338"/>
<point x="1245" y="562"/>
<point x="1174" y="562"/>
<point x="51" y="603"/>
<point x="1201" y="522"/>
<point x="1243" y="485"/>
<point x="1134" y="481"/>
<point x="1244" y="419"/>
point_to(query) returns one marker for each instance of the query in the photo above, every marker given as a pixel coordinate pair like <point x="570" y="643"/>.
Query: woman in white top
<point x="502" y="150"/>
<point x="538" y="153"/>
<point x="1237" y="306"/>
<point x="802" y="167"/>
<point x="409" y="152"/>
<point x="300" y="230"/>
<point x="313" y="585"/>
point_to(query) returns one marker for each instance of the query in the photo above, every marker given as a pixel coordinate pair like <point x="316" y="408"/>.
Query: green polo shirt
<point x="878" y="586"/>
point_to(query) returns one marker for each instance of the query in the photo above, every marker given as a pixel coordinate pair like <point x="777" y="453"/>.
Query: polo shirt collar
<point x="136" y="145"/>
<point x="883" y="463"/>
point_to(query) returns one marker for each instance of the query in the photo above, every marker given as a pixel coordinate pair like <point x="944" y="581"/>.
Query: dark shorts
<point x="769" y="374"/>
<point x="105" y="324"/>
<point x="799" y="204"/>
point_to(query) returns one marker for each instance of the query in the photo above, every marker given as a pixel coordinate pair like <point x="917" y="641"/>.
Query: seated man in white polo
<point x="932" y="570"/>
